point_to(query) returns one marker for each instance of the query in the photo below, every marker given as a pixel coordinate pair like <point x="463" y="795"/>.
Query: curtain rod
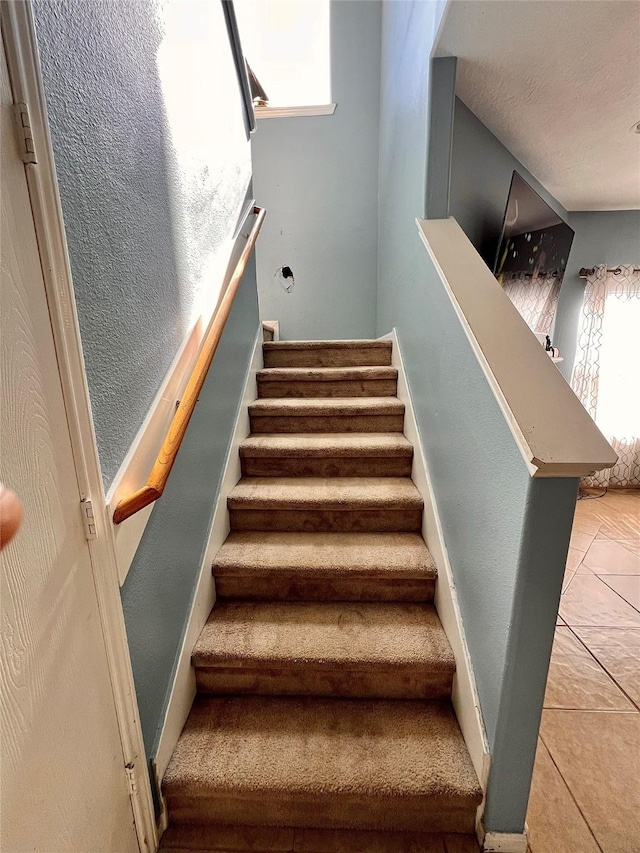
<point x="584" y="272"/>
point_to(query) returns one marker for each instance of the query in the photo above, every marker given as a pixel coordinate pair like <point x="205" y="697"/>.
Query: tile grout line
<point x="609" y="575"/>
<point x="577" y="805"/>
<point x="604" y="668"/>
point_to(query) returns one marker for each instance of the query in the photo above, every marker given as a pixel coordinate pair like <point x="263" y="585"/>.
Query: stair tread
<point x="329" y="444"/>
<point x="395" y="554"/>
<point x="323" y="406"/>
<point x="322" y="748"/>
<point x="326" y="374"/>
<point x="337" y="493"/>
<point x="325" y="635"/>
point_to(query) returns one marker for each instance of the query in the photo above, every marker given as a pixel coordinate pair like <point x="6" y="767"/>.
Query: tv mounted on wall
<point x="534" y="239"/>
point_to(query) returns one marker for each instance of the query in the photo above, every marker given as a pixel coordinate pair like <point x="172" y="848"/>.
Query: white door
<point x="64" y="785"/>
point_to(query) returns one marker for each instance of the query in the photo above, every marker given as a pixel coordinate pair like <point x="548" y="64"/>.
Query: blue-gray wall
<point x="148" y="213"/>
<point x="151" y="192"/>
<point x="157" y="593"/>
<point x="609" y="237"/>
<point x="507" y="535"/>
<point x="317" y="176"/>
<point x="481" y="172"/>
<point x="481" y="169"/>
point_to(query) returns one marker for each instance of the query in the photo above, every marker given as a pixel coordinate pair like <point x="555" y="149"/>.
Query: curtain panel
<point x="535" y="297"/>
<point x="606" y="374"/>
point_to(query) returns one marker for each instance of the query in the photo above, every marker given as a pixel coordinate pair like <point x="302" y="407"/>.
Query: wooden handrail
<point x="167" y="456"/>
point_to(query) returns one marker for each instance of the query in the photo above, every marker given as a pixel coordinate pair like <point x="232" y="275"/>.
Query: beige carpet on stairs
<point x="323" y="721"/>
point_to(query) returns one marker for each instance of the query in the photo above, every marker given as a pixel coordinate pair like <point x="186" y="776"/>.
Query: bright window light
<point x="618" y="410"/>
<point x="287" y="45"/>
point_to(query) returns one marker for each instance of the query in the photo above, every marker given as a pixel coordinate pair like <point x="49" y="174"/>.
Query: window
<point x="287" y="46"/>
<point x="606" y="375"/>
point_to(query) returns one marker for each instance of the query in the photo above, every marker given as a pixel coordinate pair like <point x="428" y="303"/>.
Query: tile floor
<point x="585" y="796"/>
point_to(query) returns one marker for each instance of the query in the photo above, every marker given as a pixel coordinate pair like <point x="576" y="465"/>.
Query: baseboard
<point x="503" y="842"/>
<point x="464" y="693"/>
<point x="183" y="690"/>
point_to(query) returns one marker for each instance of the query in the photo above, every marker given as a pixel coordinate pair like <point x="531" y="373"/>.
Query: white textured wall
<point x="153" y="164"/>
<point x="318" y="179"/>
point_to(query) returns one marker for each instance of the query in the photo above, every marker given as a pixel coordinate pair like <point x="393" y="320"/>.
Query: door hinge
<point x="25" y="133"/>
<point x="130" y="770"/>
<point x="88" y="520"/>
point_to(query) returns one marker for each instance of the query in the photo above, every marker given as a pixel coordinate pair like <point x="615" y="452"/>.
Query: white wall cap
<point x="555" y="434"/>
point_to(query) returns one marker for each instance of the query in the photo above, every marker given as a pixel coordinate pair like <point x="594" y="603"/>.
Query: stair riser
<point x="418" y="814"/>
<point x="304" y="466"/>
<point x="328" y="357"/>
<point x="397" y="683"/>
<point x="245" y="839"/>
<point x="256" y="588"/>
<point x="348" y="388"/>
<point x="402" y="520"/>
<point x="326" y="423"/>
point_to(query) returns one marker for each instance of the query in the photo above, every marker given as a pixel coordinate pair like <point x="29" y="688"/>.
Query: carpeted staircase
<point x="323" y="673"/>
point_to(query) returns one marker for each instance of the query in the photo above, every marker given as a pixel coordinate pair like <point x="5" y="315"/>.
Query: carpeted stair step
<point x="348" y="649"/>
<point x="328" y="414"/>
<point x="325" y="567"/>
<point x="374" y="454"/>
<point x="326" y="763"/>
<point x="340" y="504"/>
<point x="327" y="382"/>
<point x="327" y="353"/>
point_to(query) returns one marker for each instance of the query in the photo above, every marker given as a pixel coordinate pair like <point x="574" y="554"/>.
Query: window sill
<point x="291" y="112"/>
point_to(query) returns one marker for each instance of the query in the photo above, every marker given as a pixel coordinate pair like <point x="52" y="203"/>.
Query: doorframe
<point x="18" y="33"/>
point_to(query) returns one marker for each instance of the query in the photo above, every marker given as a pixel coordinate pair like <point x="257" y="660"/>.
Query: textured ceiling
<point x="558" y="82"/>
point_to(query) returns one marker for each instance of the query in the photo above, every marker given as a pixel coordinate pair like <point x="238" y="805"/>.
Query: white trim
<point x="552" y="430"/>
<point x="293" y="112"/>
<point x="24" y="68"/>
<point x="272" y="326"/>
<point x="138" y="462"/>
<point x="183" y="690"/>
<point x="464" y="695"/>
<point x="503" y="842"/>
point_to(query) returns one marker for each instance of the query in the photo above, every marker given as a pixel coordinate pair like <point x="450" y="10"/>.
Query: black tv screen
<point x="534" y="239"/>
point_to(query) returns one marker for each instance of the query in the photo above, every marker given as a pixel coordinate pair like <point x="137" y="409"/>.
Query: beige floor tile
<point x="628" y="586"/>
<point x="354" y="841"/>
<point x="589" y="601"/>
<point x="611" y="558"/>
<point x="560" y="621"/>
<point x="585" y="523"/>
<point x="597" y="754"/>
<point x="574" y="559"/>
<point x="634" y="547"/>
<point x="581" y="541"/>
<point x="619" y="531"/>
<point x="554" y="820"/>
<point x="618" y="650"/>
<point x="576" y="680"/>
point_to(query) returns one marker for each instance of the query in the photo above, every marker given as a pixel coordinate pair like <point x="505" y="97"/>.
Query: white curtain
<point x="535" y="296"/>
<point x="606" y="374"/>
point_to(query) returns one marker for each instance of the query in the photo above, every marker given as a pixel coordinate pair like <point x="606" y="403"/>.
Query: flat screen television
<point x="534" y="239"/>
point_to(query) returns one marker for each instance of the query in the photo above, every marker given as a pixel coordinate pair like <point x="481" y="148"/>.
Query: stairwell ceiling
<point x="558" y="82"/>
